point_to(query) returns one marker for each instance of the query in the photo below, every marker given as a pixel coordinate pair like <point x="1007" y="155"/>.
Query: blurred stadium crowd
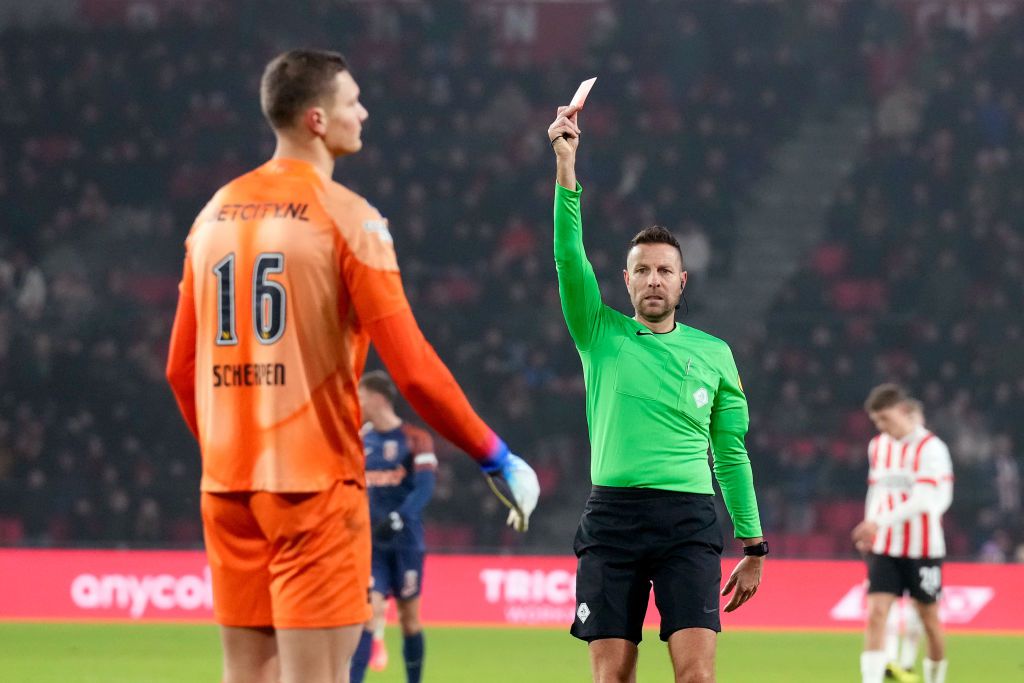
<point x="115" y="136"/>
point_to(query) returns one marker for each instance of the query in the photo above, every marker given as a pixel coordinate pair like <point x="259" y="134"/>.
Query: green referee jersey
<point x="654" y="401"/>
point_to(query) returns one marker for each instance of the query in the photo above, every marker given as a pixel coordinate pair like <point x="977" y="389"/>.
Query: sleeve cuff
<point x="497" y="458"/>
<point x="564" y="192"/>
<point x="752" y="532"/>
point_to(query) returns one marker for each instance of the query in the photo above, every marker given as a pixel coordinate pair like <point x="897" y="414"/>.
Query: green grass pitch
<point x="151" y="653"/>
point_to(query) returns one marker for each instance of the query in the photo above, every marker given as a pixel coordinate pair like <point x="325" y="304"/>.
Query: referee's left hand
<point x="745" y="578"/>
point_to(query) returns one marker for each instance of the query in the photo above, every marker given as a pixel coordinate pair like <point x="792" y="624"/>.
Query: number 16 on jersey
<point x="269" y="299"/>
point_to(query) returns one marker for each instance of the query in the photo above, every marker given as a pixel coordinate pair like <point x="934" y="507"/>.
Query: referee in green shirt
<point x="658" y="394"/>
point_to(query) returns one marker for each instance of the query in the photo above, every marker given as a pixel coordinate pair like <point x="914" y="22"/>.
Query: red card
<point x="581" y="93"/>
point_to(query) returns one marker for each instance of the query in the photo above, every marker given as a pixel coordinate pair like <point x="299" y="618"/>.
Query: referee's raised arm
<point x="564" y="134"/>
<point x="577" y="285"/>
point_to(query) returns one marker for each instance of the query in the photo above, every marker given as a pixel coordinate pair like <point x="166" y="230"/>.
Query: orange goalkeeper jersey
<point x="287" y="278"/>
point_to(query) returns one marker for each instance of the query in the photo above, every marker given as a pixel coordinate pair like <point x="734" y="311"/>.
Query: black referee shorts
<point x="631" y="538"/>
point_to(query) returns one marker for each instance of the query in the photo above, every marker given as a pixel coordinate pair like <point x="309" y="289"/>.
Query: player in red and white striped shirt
<point x="910" y="485"/>
<point x="903" y="629"/>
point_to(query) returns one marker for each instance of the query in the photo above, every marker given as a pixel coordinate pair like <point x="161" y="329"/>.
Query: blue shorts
<point x="398" y="571"/>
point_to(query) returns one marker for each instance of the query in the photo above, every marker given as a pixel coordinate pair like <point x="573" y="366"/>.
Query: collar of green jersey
<point x="643" y="330"/>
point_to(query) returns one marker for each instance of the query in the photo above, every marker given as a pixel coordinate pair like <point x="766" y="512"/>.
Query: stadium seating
<point x="921" y="272"/>
<point x="116" y="136"/>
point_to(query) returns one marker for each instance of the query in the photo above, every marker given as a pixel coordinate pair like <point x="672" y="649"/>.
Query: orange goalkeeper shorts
<point x="289" y="560"/>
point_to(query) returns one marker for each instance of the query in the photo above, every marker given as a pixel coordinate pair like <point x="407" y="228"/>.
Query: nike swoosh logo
<point x="642" y="333"/>
<point x="710" y="611"/>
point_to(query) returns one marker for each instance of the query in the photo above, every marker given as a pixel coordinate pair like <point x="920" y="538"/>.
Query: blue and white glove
<point x="515" y="484"/>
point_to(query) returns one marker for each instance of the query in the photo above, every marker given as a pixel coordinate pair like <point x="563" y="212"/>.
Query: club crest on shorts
<point x="700" y="397"/>
<point x="583" y="612"/>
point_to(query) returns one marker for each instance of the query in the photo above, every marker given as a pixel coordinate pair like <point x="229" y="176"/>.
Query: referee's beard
<point x="656" y="305"/>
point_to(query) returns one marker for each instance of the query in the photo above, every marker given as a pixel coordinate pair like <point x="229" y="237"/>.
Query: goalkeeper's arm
<point x="181" y="355"/>
<point x="428" y="385"/>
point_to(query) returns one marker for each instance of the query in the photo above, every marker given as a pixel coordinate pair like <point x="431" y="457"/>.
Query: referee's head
<point x="655" y="273"/>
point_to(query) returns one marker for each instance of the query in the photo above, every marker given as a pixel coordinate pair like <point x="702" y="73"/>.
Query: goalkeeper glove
<point x="515" y="484"/>
<point x="388" y="527"/>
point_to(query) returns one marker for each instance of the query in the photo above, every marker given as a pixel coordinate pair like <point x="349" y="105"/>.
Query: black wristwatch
<point x="756" y="550"/>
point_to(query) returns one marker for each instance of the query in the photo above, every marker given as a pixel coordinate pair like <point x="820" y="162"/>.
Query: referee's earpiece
<point x="682" y="296"/>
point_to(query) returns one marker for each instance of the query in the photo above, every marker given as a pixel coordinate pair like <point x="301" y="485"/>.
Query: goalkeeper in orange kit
<point x="288" y="278"/>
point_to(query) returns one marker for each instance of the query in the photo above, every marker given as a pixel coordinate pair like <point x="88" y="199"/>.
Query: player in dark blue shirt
<point x="400" y="473"/>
